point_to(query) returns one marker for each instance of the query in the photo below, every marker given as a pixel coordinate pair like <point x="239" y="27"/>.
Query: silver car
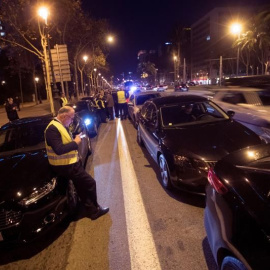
<point x="251" y="107"/>
<point x="135" y="103"/>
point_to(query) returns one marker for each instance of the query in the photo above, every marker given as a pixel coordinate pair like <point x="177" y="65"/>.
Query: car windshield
<point x="141" y="99"/>
<point x="80" y="106"/>
<point x="183" y="114"/>
<point x="22" y="138"/>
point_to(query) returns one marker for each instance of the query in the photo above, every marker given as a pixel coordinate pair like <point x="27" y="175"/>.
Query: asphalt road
<point x="146" y="228"/>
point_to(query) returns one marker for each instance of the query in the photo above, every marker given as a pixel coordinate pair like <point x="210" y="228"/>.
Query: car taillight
<point x="215" y="182"/>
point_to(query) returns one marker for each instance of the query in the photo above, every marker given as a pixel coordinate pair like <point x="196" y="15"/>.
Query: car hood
<point x="21" y="172"/>
<point x="210" y="141"/>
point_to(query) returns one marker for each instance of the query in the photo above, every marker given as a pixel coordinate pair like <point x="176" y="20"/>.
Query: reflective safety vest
<point x="64" y="101"/>
<point x="64" y="159"/>
<point x="121" y="97"/>
<point x="100" y="104"/>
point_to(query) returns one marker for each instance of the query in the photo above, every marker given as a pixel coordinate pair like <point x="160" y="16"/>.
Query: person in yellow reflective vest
<point x="63" y="100"/>
<point x="62" y="151"/>
<point x="101" y="108"/>
<point x="122" y="103"/>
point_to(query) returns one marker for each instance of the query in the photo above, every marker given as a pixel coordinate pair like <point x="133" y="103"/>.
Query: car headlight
<point x="87" y="121"/>
<point x="39" y="193"/>
<point x="191" y="163"/>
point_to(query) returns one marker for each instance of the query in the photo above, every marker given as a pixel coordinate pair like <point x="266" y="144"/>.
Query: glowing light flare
<point x="236" y="28"/>
<point x="43" y="12"/>
<point x="85" y="58"/>
<point x="110" y="39"/>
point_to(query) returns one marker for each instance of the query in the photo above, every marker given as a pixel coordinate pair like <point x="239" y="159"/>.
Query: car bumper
<point x="34" y="223"/>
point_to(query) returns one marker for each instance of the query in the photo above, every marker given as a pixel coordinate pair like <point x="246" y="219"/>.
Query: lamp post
<point x="85" y="58"/>
<point x="38" y="90"/>
<point x="43" y="12"/>
<point x="236" y="29"/>
<point x="176" y="72"/>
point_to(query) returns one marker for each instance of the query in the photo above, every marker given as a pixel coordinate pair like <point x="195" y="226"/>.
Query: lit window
<point x="208" y="37"/>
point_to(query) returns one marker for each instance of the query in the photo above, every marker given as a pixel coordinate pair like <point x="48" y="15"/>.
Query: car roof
<point x="174" y="99"/>
<point x="27" y="120"/>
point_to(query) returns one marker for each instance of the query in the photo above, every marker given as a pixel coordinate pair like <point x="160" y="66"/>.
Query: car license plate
<point x="1" y="237"/>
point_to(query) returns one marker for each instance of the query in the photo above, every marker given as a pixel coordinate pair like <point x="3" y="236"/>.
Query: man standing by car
<point x="63" y="157"/>
<point x="110" y="105"/>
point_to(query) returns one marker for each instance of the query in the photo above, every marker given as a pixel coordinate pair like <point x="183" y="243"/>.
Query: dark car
<point x="87" y="110"/>
<point x="181" y="87"/>
<point x="237" y="213"/>
<point x="32" y="198"/>
<point x="186" y="135"/>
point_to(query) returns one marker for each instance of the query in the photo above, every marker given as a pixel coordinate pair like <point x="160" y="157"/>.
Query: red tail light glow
<point x="216" y="183"/>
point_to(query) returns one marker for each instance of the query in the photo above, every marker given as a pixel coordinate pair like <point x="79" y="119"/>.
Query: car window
<point x="141" y="99"/>
<point x="234" y="98"/>
<point x="191" y="113"/>
<point x="80" y="106"/>
<point x="265" y="97"/>
<point x="23" y="138"/>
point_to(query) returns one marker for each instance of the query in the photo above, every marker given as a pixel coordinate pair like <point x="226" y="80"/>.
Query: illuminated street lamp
<point x="110" y="39"/>
<point x="176" y="69"/>
<point x="38" y="90"/>
<point x="236" y="29"/>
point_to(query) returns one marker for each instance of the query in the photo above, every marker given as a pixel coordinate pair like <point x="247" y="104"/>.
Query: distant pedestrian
<point x="11" y="109"/>
<point x="110" y="105"/>
<point x="116" y="109"/>
<point x="63" y="100"/>
<point x="18" y="102"/>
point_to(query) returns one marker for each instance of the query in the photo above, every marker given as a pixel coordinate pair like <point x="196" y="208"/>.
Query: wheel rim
<point x="163" y="171"/>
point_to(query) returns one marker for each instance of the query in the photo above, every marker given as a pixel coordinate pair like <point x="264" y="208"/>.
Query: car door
<point x="150" y="130"/>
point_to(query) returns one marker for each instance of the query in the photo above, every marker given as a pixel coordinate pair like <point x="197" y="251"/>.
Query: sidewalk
<point x="27" y="110"/>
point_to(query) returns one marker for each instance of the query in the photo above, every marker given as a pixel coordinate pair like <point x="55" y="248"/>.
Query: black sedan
<point x="237" y="213"/>
<point x="32" y="199"/>
<point x="186" y="135"/>
<point x="87" y="110"/>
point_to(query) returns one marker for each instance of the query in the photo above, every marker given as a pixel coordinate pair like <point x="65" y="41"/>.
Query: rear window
<point x="143" y="98"/>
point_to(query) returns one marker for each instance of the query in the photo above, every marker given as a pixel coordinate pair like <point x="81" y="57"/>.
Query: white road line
<point x="143" y="254"/>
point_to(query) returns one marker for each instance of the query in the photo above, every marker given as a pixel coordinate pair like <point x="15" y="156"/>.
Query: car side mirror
<point x="231" y="114"/>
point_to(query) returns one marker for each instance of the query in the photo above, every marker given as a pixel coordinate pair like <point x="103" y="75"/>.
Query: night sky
<point x="143" y="25"/>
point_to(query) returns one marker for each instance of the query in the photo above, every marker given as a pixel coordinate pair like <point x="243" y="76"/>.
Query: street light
<point x="38" y="90"/>
<point x="110" y="39"/>
<point x="236" y="29"/>
<point x="176" y="72"/>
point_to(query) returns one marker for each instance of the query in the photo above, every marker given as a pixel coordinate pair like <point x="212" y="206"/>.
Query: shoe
<point x="100" y="212"/>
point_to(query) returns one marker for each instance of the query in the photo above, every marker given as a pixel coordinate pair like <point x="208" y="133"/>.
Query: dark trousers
<point x="84" y="183"/>
<point x="110" y="110"/>
<point x="116" y="109"/>
<point x="122" y="110"/>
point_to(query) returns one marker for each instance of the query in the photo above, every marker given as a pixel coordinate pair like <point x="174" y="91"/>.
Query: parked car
<point x="188" y="134"/>
<point x="237" y="213"/>
<point x="87" y="110"/>
<point x="192" y="84"/>
<point x="135" y="103"/>
<point x="181" y="87"/>
<point x="251" y="107"/>
<point x="32" y="198"/>
<point x="161" y="88"/>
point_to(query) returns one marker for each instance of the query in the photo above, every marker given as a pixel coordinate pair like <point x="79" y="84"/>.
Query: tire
<point x="164" y="172"/>
<point x="139" y="137"/>
<point x="231" y="263"/>
<point x="95" y="130"/>
<point x="72" y="199"/>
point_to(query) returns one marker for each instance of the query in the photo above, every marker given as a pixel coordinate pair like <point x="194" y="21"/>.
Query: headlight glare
<point x="87" y="121"/>
<point x="39" y="193"/>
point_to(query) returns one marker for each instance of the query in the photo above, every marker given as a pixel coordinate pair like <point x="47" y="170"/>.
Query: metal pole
<point x="220" y="70"/>
<point x="237" y="58"/>
<point x="184" y="71"/>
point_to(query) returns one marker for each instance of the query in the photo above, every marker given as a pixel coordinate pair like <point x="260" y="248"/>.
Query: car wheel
<point x="231" y="263"/>
<point x="139" y="137"/>
<point x="164" y="172"/>
<point x="72" y="199"/>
